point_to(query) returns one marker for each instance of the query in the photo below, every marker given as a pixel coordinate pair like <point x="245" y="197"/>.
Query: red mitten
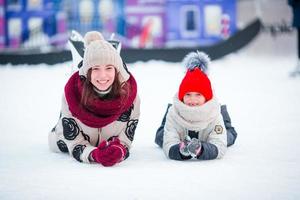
<point x="116" y="143"/>
<point x="97" y="153"/>
<point x="108" y="154"/>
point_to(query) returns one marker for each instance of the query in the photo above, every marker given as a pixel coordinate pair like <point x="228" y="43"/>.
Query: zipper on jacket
<point x="99" y="137"/>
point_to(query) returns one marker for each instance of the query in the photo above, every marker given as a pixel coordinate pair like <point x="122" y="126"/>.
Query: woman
<point x="100" y="107"/>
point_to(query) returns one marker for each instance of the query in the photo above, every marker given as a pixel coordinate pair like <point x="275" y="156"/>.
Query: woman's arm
<point x="129" y="120"/>
<point x="70" y="134"/>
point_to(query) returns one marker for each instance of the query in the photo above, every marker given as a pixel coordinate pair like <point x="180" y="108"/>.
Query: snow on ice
<point x="263" y="101"/>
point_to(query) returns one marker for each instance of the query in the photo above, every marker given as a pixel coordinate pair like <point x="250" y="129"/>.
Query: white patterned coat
<point x="71" y="135"/>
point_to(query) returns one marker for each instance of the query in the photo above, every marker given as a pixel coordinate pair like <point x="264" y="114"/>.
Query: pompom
<point x="197" y="59"/>
<point x="92" y="36"/>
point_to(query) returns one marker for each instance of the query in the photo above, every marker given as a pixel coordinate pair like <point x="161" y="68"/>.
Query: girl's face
<point x="193" y="99"/>
<point x="102" y="77"/>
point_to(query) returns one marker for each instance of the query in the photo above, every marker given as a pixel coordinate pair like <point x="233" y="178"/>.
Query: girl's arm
<point x="171" y="139"/>
<point x="216" y="144"/>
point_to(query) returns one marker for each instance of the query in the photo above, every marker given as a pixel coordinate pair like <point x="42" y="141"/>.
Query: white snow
<point x="263" y="102"/>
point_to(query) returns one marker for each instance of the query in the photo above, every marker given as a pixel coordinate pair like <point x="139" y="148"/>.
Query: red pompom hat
<point x="195" y="81"/>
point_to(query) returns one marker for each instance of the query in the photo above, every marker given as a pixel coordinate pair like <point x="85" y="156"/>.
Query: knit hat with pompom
<point x="195" y="79"/>
<point x="100" y="52"/>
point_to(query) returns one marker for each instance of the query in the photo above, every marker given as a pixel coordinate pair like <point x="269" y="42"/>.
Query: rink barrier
<point x="240" y="39"/>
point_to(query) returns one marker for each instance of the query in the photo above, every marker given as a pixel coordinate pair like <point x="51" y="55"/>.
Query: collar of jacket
<point x="197" y="116"/>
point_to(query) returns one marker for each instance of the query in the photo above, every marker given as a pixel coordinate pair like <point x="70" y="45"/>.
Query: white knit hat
<point x="100" y="52"/>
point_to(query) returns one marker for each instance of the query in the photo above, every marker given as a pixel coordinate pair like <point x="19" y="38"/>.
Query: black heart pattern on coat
<point x="70" y="128"/>
<point x="62" y="146"/>
<point x="77" y="151"/>
<point x="130" y="129"/>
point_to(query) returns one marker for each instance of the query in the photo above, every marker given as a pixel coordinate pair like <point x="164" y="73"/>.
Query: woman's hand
<point x="109" y="153"/>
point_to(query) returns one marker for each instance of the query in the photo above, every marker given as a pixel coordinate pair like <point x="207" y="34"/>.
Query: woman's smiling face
<point x="103" y="76"/>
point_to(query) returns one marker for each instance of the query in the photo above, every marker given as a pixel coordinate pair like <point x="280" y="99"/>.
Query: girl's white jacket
<point x="205" y="119"/>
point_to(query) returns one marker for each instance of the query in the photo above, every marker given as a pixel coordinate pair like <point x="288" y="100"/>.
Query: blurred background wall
<point x="137" y="23"/>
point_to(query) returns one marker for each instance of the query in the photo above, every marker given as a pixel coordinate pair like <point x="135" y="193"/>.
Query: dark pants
<point x="298" y="32"/>
<point x="231" y="133"/>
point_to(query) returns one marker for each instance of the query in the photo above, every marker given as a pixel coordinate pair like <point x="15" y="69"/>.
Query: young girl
<point x="193" y="127"/>
<point x="100" y="107"/>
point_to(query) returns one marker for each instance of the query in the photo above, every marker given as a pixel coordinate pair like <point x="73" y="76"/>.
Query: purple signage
<point x="2" y="25"/>
<point x="145" y="25"/>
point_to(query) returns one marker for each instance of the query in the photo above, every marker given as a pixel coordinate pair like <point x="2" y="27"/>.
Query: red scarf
<point x="98" y="113"/>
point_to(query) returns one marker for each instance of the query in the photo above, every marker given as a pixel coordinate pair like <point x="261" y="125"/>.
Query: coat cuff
<point x="209" y="151"/>
<point x="86" y="153"/>
<point x="175" y="154"/>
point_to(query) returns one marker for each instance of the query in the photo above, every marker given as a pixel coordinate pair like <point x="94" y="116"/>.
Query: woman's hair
<point x="118" y="89"/>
